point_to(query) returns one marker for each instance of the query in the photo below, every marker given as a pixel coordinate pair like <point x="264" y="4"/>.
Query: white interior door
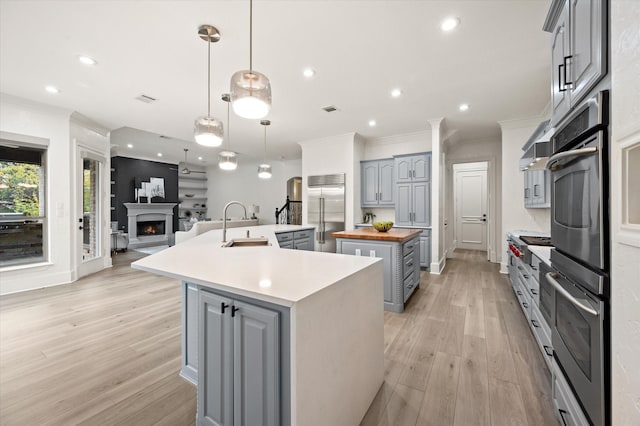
<point x="471" y="209"/>
<point x="88" y="223"/>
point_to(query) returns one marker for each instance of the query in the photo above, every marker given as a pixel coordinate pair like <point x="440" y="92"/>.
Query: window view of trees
<point x="19" y="188"/>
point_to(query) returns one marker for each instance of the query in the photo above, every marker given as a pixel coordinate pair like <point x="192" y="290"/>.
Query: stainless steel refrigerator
<point x="326" y="208"/>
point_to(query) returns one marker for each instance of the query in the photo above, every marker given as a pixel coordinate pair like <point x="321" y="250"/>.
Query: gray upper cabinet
<point x="537" y="189"/>
<point x="578" y="52"/>
<point x="238" y="363"/>
<point x="377" y="183"/>
<point x="413" y="207"/>
<point x="411" y="168"/>
<point x="559" y="52"/>
<point x="588" y="45"/>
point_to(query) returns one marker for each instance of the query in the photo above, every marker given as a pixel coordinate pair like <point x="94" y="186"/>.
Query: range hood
<point x="538" y="147"/>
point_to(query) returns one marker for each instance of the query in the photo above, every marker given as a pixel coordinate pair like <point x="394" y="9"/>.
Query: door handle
<point x="566" y="65"/>
<point x="560" y="85"/>
<point x="80" y="227"/>
<point x="562" y="413"/>
<point x="551" y="277"/>
<point x="574" y="152"/>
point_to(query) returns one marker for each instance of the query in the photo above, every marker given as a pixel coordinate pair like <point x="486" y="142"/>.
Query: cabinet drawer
<point x="284" y="236"/>
<point x="542" y="333"/>
<point x="523" y="298"/>
<point x="567" y="409"/>
<point x="409" y="285"/>
<point x="408" y="246"/>
<point x="286" y="244"/>
<point x="303" y="244"/>
<point x="305" y="234"/>
<point x="408" y="264"/>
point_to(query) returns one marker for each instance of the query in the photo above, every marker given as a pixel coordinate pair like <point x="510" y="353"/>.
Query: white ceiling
<point x="497" y="60"/>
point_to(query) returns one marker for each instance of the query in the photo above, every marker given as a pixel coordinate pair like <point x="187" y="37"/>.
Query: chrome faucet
<point x="224" y="218"/>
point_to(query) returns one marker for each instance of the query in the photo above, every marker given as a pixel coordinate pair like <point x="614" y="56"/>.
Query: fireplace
<point x="150" y="224"/>
<point x="150" y="227"/>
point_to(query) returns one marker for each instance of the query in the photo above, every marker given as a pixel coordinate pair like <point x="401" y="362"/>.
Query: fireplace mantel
<point x="141" y="212"/>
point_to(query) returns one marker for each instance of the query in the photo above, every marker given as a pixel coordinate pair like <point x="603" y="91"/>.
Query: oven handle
<point x="551" y="277"/>
<point x="555" y="157"/>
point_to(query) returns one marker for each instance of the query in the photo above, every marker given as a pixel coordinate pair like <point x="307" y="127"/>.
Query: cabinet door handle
<point x="566" y="65"/>
<point x="234" y="310"/>
<point x="561" y="87"/>
<point x="535" y="323"/>
<point x="223" y="306"/>
<point x="526" y="193"/>
<point x="536" y="193"/>
<point x="548" y="350"/>
<point x="562" y="413"/>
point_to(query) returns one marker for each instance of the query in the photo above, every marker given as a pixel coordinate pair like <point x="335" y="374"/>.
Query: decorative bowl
<point x="382" y="226"/>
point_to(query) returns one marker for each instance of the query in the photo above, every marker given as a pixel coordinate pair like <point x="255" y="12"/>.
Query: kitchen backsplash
<point x="382" y="214"/>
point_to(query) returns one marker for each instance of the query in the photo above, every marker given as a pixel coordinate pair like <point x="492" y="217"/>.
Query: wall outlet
<point x="358" y="252"/>
<point x="372" y="253"/>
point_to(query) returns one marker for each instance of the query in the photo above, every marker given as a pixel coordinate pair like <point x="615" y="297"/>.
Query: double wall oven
<point x="574" y="294"/>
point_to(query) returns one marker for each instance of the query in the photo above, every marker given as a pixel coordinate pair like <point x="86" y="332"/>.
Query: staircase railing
<point x="290" y="213"/>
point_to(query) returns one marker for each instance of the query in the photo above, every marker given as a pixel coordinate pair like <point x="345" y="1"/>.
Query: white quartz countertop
<point x="269" y="273"/>
<point x="519" y="232"/>
<point x="541" y="252"/>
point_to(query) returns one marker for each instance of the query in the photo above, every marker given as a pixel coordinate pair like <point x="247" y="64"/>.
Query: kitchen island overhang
<point x="335" y="316"/>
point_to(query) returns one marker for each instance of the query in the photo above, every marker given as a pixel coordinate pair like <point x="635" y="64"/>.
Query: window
<point x="22" y="204"/>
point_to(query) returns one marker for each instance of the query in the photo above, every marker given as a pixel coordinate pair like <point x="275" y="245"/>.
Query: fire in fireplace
<point x="151" y="227"/>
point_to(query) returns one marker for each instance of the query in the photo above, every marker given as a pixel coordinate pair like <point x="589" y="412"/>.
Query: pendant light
<point x="208" y="131"/>
<point x="227" y="159"/>
<point x="250" y="90"/>
<point x="264" y="170"/>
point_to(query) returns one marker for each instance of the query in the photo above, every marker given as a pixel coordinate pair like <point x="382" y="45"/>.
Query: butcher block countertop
<point x="393" y="234"/>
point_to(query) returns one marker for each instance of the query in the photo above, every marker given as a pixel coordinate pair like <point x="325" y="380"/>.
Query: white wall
<point x="625" y="265"/>
<point x="37" y="120"/>
<point x="467" y="152"/>
<point x="244" y="185"/>
<point x="515" y="134"/>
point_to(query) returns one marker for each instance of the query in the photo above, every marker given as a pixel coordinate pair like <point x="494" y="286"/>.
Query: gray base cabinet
<point x="296" y="240"/>
<point x="189" y="368"/>
<point x="425" y="249"/>
<point x="401" y="266"/>
<point x="238" y="363"/>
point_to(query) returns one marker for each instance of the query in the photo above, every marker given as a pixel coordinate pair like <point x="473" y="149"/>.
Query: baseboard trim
<point x="503" y="268"/>
<point x="438" y="267"/>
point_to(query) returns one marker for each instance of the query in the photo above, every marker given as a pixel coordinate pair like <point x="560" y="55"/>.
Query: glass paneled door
<point x="89" y="211"/>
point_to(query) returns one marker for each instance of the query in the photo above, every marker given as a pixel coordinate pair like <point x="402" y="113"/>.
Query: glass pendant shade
<point x="250" y="94"/>
<point x="227" y="160"/>
<point x="264" y="171"/>
<point x="208" y="131"/>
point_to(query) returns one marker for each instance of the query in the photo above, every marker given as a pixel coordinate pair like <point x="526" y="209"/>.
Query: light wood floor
<point x="106" y="351"/>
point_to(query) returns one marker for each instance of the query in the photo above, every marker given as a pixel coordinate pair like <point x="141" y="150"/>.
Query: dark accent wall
<point x="126" y="170"/>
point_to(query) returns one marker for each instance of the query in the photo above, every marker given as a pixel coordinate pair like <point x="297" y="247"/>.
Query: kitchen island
<point x="276" y="336"/>
<point x="400" y="253"/>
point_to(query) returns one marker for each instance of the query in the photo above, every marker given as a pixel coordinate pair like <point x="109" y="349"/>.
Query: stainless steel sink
<point x="247" y="242"/>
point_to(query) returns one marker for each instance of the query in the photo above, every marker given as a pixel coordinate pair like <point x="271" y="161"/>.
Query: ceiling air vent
<point x="146" y="99"/>
<point x="330" y="108"/>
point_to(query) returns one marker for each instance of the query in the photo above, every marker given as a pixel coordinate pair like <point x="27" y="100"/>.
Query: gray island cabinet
<point x="401" y="258"/>
<point x="276" y="337"/>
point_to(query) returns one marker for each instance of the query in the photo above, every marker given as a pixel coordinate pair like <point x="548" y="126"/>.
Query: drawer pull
<point x="519" y="293"/>
<point x="548" y="350"/>
<point x="534" y="291"/>
<point x="525" y="304"/>
<point x="526" y="277"/>
<point x="535" y="323"/>
<point x="562" y="413"/>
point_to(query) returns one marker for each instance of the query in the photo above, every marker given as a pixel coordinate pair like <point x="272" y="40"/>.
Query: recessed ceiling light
<point x="450" y="23"/>
<point x="396" y="92"/>
<point x="86" y="60"/>
<point x="372" y="123"/>
<point x="159" y="154"/>
<point x="52" y="89"/>
<point x="200" y="158"/>
<point x="463" y="107"/>
<point x="129" y="145"/>
<point x="308" y="72"/>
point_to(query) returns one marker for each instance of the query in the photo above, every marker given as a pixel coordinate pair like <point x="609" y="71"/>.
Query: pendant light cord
<point x="228" y="127"/>
<point x="264" y="158"/>
<point x="209" y="75"/>
<point x="250" y="36"/>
